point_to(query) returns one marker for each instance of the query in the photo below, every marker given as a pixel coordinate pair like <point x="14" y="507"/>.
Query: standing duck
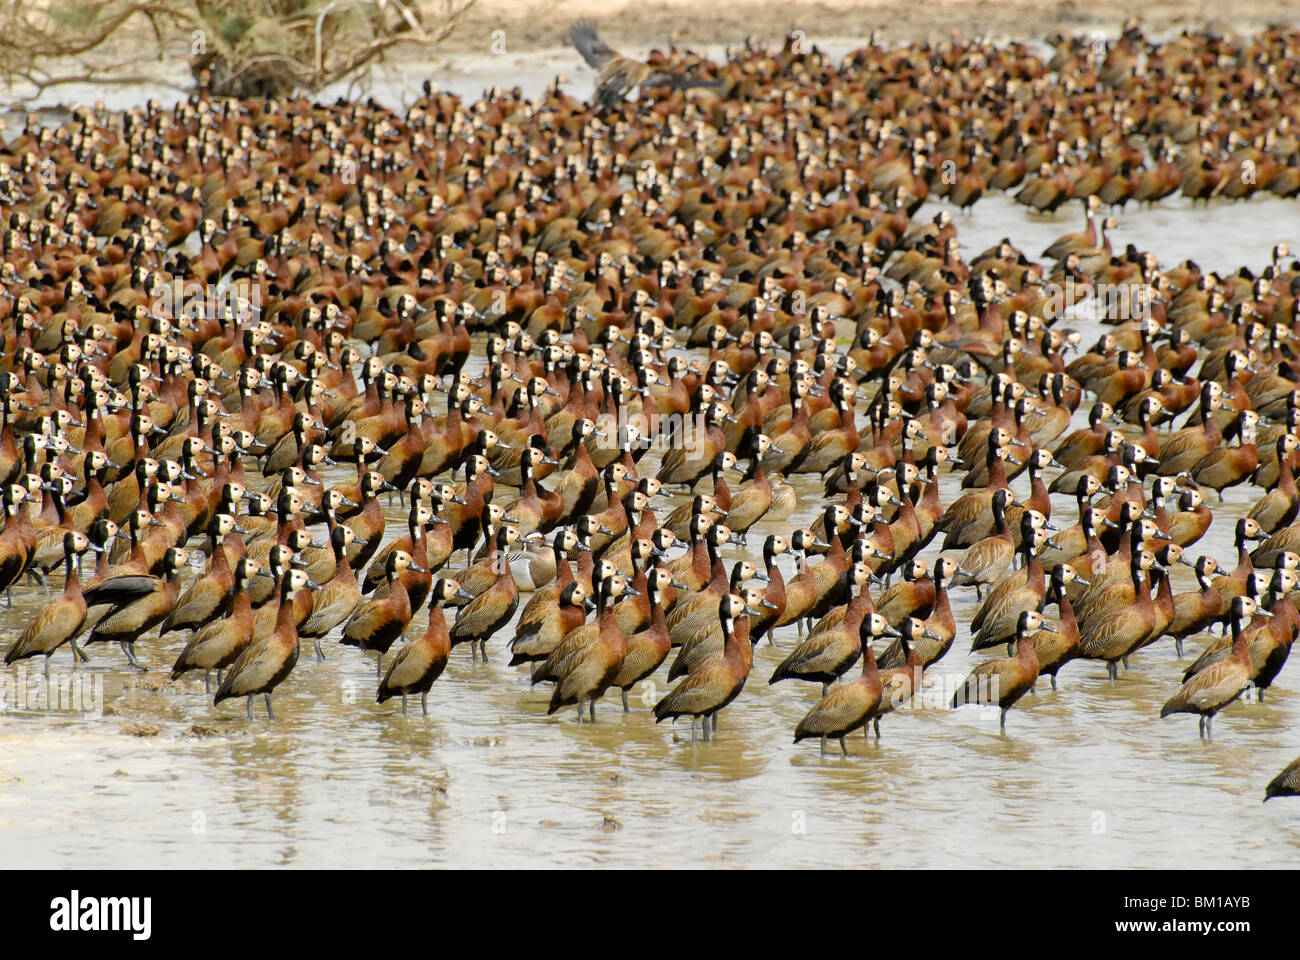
<point x="418" y="664"/>
<point x="849" y="706"/>
<point x="1004" y="680"/>
<point x="1209" y="691"/>
<point x="717" y="683"/>
<point x="266" y="663"/>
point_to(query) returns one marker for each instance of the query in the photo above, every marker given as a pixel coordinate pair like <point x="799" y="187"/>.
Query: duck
<point x="217" y="644"/>
<point x="338" y="597"/>
<point x="1286" y="783"/>
<point x="491" y="609"/>
<point x="1110" y="630"/>
<point x="61" y="620"/>
<point x="266" y="663"/>
<point x="718" y="683"/>
<point x="586" y="673"/>
<point x="377" y="623"/>
<point x="139" y="602"/>
<point x="1219" y="684"/>
<point x="1056" y="646"/>
<point x="1004" y="680"/>
<point x="851" y="705"/>
<point x="983" y="562"/>
<point x="420" y="662"/>
<point x="825" y="656"/>
<point x="646" y="649"/>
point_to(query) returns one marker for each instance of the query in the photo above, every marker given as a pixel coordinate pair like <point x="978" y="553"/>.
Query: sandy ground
<point x="533" y="24"/>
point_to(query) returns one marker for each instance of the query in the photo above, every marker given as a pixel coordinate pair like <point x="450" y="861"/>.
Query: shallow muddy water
<point x="142" y="772"/>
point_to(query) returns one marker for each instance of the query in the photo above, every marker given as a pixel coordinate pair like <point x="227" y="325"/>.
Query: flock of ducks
<point x="497" y="310"/>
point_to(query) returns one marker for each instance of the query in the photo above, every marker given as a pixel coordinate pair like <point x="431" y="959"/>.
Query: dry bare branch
<point x="240" y="47"/>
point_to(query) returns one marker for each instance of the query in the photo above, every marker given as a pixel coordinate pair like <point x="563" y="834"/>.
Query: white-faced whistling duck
<point x="216" y="644"/>
<point x="1004" y="680"/>
<point x="418" y="664"/>
<point x="588" y="672"/>
<point x="1209" y="691"/>
<point x="850" y="705"/>
<point x="717" y="683"/>
<point x="377" y="623"/>
<point x="60" y="621"/>
<point x="264" y="664"/>
<point x="736" y="289"/>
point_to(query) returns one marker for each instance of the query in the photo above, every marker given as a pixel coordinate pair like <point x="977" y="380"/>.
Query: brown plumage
<point x="708" y="690"/>
<point x="376" y="624"/>
<point x="418" y="664"/>
<point x="264" y="664"/>
<point x="61" y="620"/>
<point x="215" y="645"/>
<point x="647" y="649"/>
<point x="620" y="75"/>
<point x="588" y="672"/>
<point x="848" y="706"/>
<point x="824" y="656"/>
<point x="1004" y="680"/>
<point x="140" y="603"/>
<point x="1286" y="783"/>
<point x="492" y="609"/>
<point x="338" y="596"/>
<point x="1208" y="692"/>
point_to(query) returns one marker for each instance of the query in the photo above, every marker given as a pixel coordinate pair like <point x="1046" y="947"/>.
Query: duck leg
<point x="320" y="654"/>
<point x="267" y="698"/>
<point x="625" y="707"/>
<point x="823" y="743"/>
<point x="128" y="647"/>
<point x="248" y="705"/>
<point x="592" y="709"/>
<point x="844" y="747"/>
<point x="403" y="704"/>
<point x="424" y="702"/>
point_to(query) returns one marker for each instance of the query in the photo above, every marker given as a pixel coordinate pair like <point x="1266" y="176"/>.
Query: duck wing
<point x="593" y="49"/>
